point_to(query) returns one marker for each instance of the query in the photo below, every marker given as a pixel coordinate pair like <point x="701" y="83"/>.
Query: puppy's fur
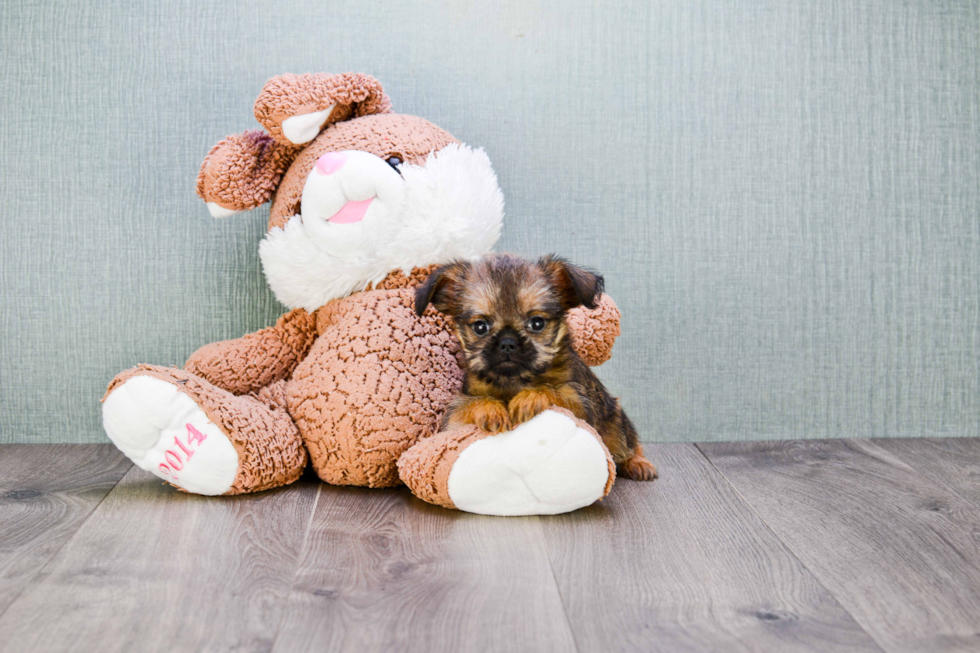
<point x="509" y="315"/>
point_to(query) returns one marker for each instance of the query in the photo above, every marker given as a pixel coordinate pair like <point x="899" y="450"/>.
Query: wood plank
<point x="898" y="551"/>
<point x="46" y="493"/>
<point x="683" y="564"/>
<point x="154" y="569"/>
<point x="383" y="571"/>
<point x="953" y="463"/>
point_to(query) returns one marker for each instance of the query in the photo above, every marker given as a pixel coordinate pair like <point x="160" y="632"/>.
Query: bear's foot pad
<point x="164" y="431"/>
<point x="548" y="465"/>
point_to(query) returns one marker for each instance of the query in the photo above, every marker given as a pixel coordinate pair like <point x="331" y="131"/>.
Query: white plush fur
<point x="451" y="208"/>
<point x="362" y="177"/>
<point x="546" y="466"/>
<point x="218" y="211"/>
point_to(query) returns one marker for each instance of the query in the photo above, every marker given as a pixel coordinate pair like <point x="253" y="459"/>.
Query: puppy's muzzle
<point x="507" y="345"/>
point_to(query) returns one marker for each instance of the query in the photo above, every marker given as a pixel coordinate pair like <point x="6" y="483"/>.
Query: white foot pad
<point x="546" y="466"/>
<point x="164" y="432"/>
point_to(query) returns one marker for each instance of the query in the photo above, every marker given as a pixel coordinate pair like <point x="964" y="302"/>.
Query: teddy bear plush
<point x="365" y="204"/>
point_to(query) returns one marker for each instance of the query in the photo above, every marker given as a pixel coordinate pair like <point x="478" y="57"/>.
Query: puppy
<point x="509" y="315"/>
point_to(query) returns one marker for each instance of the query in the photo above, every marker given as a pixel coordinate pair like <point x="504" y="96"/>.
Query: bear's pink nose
<point x="330" y="163"/>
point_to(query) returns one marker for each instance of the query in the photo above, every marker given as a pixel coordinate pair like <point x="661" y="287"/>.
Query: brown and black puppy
<point x="509" y="315"/>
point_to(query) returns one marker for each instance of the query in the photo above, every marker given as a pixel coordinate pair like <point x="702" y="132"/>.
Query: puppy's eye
<point x="535" y="324"/>
<point x="394" y="162"/>
<point x="480" y="327"/>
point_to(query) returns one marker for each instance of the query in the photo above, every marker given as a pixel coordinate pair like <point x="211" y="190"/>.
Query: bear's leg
<point x="551" y="464"/>
<point x="199" y="437"/>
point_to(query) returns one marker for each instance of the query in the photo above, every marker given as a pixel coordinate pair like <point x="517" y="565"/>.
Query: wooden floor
<point x="796" y="546"/>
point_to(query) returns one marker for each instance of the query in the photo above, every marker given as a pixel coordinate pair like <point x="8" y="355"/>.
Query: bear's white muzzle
<point x="350" y="203"/>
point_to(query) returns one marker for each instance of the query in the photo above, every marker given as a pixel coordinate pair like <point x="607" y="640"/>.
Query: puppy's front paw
<point x="494" y="420"/>
<point x="638" y="468"/>
<point x="528" y="404"/>
<point x="484" y="413"/>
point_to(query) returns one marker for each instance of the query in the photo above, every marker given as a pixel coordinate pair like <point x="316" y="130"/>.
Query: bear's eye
<point x="394" y="162"/>
<point x="536" y="324"/>
<point x="480" y="327"/>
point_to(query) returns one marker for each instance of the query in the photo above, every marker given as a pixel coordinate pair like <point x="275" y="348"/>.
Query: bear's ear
<point x="242" y="172"/>
<point x="296" y="108"/>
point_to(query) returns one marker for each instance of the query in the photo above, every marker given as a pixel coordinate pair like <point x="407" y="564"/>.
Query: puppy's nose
<point x="330" y="163"/>
<point x="507" y="344"/>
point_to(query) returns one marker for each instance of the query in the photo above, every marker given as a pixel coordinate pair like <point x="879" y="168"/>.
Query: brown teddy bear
<point x="365" y="203"/>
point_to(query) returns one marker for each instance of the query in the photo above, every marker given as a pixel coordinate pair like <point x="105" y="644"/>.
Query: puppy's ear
<point x="441" y="288"/>
<point x="575" y="286"/>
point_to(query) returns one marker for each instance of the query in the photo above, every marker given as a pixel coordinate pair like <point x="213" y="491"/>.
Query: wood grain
<point x="383" y="571"/>
<point x="46" y="493"/>
<point x="953" y="463"/>
<point x="884" y="531"/>
<point x="154" y="569"/>
<point x="683" y="564"/>
<point x="898" y="551"/>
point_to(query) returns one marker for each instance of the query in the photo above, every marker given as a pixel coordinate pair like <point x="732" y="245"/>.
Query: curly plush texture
<point x="594" y="331"/>
<point x="243" y="171"/>
<point x="425" y="467"/>
<point x="285" y="96"/>
<point x="376" y="381"/>
<point x="270" y="450"/>
<point x="258" y="359"/>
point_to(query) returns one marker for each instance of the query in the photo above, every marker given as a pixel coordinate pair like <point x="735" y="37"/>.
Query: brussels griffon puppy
<point x="509" y="315"/>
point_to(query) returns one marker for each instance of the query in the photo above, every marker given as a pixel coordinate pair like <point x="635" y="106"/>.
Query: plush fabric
<point x="242" y="171"/>
<point x="353" y="377"/>
<point x="532" y="459"/>
<point x="377" y="380"/>
<point x="258" y="359"/>
<point x="595" y="330"/>
<point x="164" y="431"/>
<point x="270" y="451"/>
<point x="285" y="96"/>
<point x="426" y="466"/>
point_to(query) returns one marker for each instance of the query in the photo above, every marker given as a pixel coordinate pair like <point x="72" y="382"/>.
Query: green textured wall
<point x="784" y="197"/>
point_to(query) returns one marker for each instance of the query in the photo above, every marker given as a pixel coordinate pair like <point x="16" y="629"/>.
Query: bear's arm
<point x="594" y="330"/>
<point x="254" y="361"/>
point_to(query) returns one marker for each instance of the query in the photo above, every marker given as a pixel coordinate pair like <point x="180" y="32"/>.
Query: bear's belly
<point x="376" y="381"/>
